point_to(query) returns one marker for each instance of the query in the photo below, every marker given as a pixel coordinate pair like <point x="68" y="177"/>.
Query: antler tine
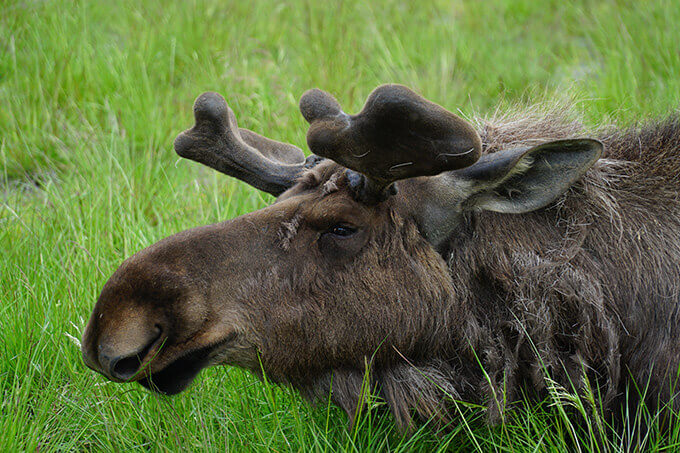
<point x="398" y="135"/>
<point x="217" y="141"/>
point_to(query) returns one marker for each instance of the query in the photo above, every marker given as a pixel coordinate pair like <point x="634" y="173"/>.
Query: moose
<point x="444" y="259"/>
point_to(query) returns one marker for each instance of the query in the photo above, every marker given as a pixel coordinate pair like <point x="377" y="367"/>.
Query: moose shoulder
<point x="445" y="261"/>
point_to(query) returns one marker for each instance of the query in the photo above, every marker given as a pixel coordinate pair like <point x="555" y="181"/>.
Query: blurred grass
<point x="91" y="97"/>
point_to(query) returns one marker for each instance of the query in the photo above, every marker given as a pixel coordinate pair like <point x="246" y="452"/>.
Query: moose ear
<point x="522" y="180"/>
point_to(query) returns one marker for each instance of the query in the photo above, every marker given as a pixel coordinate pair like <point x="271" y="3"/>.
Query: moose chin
<point x="442" y="260"/>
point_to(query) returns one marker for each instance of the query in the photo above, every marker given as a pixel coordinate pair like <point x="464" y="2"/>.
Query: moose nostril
<point x="126" y="367"/>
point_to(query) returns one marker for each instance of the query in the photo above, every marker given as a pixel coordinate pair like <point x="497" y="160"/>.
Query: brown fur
<point x="586" y="288"/>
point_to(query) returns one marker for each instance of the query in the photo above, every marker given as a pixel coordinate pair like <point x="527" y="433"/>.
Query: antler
<point x="398" y="135"/>
<point x="217" y="141"/>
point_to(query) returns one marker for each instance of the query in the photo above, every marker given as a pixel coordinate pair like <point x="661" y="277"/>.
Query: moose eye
<point x="342" y="230"/>
<point x="341" y="242"/>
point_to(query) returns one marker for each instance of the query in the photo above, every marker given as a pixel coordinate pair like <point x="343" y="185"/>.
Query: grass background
<point x="92" y="95"/>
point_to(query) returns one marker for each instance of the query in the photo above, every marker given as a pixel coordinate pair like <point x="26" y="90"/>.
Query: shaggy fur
<point x="584" y="292"/>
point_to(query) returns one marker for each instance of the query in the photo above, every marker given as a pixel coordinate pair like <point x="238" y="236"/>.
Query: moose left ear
<point x="523" y="180"/>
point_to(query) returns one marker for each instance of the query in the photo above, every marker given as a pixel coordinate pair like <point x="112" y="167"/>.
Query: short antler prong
<point x="217" y="141"/>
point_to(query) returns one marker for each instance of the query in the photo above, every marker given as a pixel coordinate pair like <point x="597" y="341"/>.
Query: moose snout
<point x="122" y="355"/>
<point x="125" y="365"/>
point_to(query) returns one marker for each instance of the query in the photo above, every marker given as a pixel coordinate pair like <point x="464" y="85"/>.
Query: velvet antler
<point x="216" y="141"/>
<point x="398" y="135"/>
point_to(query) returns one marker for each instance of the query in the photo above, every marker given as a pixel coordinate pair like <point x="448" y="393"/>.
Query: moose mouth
<point x="177" y="376"/>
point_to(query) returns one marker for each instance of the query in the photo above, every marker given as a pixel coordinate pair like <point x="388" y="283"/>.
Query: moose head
<point x="347" y="267"/>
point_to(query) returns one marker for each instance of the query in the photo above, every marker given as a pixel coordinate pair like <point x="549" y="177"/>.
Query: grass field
<point x="92" y="95"/>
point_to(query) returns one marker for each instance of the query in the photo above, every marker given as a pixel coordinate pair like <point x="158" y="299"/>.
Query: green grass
<point x="91" y="96"/>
